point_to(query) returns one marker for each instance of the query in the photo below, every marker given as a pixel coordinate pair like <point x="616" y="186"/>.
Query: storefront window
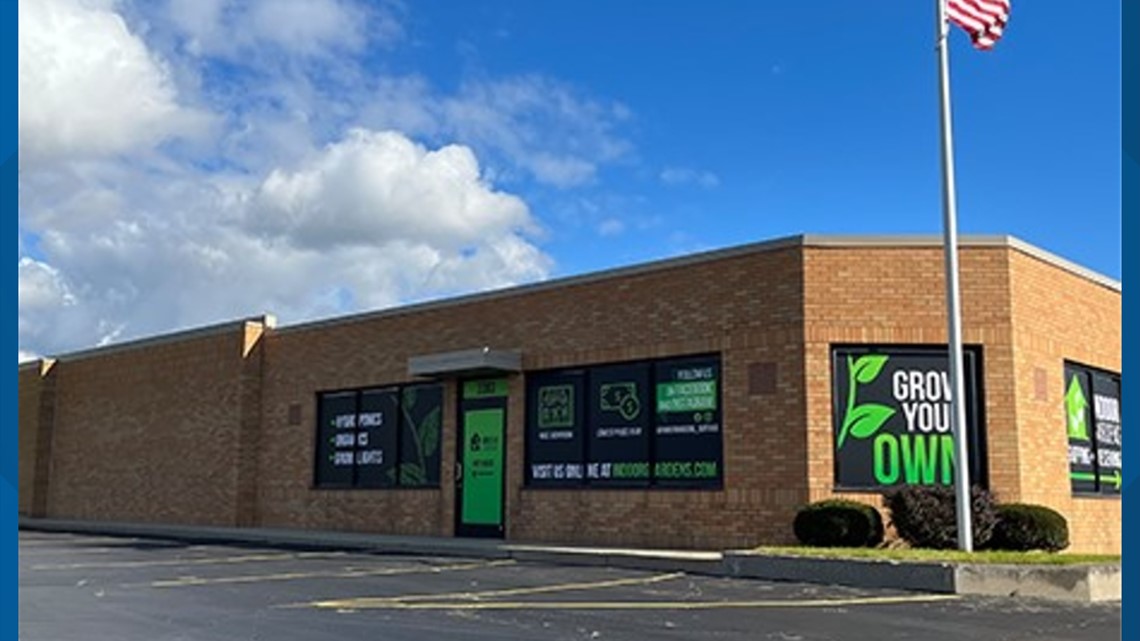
<point x="379" y="437"/>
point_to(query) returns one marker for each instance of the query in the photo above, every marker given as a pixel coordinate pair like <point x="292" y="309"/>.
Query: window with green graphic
<point x="626" y="425"/>
<point x="555" y="428"/>
<point x="891" y="416"/>
<point x="379" y="437"/>
<point x="1092" y="424"/>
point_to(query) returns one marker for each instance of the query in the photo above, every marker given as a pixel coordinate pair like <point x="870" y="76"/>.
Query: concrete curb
<point x="1084" y="583"/>
<point x="922" y="577"/>
<point x="1080" y="583"/>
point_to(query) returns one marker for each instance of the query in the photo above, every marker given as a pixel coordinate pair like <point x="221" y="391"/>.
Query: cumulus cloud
<point x="675" y="176"/>
<point x="373" y="220"/>
<point x="376" y="186"/>
<point x="88" y="86"/>
<point x="40" y="285"/>
<point x="189" y="161"/>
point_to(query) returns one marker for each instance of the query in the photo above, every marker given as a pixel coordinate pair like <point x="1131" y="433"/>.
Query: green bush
<point x="838" y="523"/>
<point x="925" y="516"/>
<point x="1022" y="527"/>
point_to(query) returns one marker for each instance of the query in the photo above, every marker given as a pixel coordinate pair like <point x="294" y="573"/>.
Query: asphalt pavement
<point x="87" y="587"/>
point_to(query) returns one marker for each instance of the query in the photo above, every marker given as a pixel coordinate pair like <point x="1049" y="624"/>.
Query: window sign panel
<point x="336" y="439"/>
<point x="891" y="417"/>
<point x="376" y="438"/>
<point x="1093" y="428"/>
<point x="379" y="438"/>
<point x="556" y="406"/>
<point x="620" y="410"/>
<point x="1106" y="413"/>
<point x="688" y="444"/>
<point x="1078" y="426"/>
<point x="421" y="425"/>
<point x="648" y="423"/>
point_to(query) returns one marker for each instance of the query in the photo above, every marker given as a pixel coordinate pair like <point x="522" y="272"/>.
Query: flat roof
<point x="800" y="240"/>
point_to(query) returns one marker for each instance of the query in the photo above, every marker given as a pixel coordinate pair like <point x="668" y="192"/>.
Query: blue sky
<point x="822" y="117"/>
<point x="189" y="161"/>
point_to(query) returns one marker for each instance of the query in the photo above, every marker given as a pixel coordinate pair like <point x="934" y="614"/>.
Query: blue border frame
<point x="9" y="629"/>
<point x="1130" y="195"/>
<point x="1130" y="174"/>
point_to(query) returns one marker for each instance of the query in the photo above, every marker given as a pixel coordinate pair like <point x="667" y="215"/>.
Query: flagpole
<point x="950" y="249"/>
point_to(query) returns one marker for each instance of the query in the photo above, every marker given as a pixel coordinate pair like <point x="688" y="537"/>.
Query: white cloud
<point x="321" y="186"/>
<point x="306" y="28"/>
<point x="88" y="86"/>
<point x="371" y="221"/>
<point x="375" y="186"/>
<point x="40" y="285"/>
<point x="611" y="227"/>
<point x="26" y="357"/>
<point x="548" y="129"/>
<point x="676" y="176"/>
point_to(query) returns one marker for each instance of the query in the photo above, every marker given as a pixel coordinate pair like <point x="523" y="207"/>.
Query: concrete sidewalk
<point x="1081" y="583"/>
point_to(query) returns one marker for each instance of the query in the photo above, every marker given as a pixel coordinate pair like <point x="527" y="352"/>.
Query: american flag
<point x="984" y="20"/>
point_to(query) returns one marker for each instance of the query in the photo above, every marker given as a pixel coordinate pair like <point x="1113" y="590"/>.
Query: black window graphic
<point x="687" y="436"/>
<point x="1093" y="427"/>
<point x="648" y="423"/>
<point x="618" y="443"/>
<point x="421" y="416"/>
<point x="891" y="417"/>
<point x="555" y="424"/>
<point x="379" y="437"/>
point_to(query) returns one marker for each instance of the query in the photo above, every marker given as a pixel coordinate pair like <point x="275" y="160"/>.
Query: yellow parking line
<point x="647" y="605"/>
<point x="223" y="560"/>
<point x="343" y="574"/>
<point x="409" y="599"/>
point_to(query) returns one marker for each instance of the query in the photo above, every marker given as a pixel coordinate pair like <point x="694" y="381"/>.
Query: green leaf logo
<point x="862" y="421"/>
<point x="867" y="368"/>
<point x="867" y="418"/>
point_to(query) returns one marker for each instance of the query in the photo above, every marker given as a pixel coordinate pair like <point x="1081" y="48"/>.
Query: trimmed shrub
<point x="838" y="523"/>
<point x="1022" y="527"/>
<point x="924" y="516"/>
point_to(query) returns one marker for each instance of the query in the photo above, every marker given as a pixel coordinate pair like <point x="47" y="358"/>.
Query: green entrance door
<point x="482" y="453"/>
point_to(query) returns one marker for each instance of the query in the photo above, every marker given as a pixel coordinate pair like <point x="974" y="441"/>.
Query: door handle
<point x="458" y="471"/>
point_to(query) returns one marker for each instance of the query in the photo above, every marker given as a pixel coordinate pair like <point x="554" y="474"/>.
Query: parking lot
<point x="96" y="587"/>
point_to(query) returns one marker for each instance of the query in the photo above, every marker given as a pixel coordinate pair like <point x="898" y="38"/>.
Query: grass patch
<point x="953" y="556"/>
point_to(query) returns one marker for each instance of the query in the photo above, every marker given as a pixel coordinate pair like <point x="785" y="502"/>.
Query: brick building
<point x="693" y="402"/>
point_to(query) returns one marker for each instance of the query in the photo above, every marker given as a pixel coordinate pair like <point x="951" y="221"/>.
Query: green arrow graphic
<point x="1114" y="479"/>
<point x="1075" y="406"/>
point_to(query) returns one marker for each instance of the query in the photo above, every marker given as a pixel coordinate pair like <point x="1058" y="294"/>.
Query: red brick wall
<point x="30" y="385"/>
<point x="1027" y="314"/>
<point x="897" y="296"/>
<point x="149" y="433"/>
<point x="1060" y="316"/>
<point x="746" y="307"/>
<point x="218" y="427"/>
